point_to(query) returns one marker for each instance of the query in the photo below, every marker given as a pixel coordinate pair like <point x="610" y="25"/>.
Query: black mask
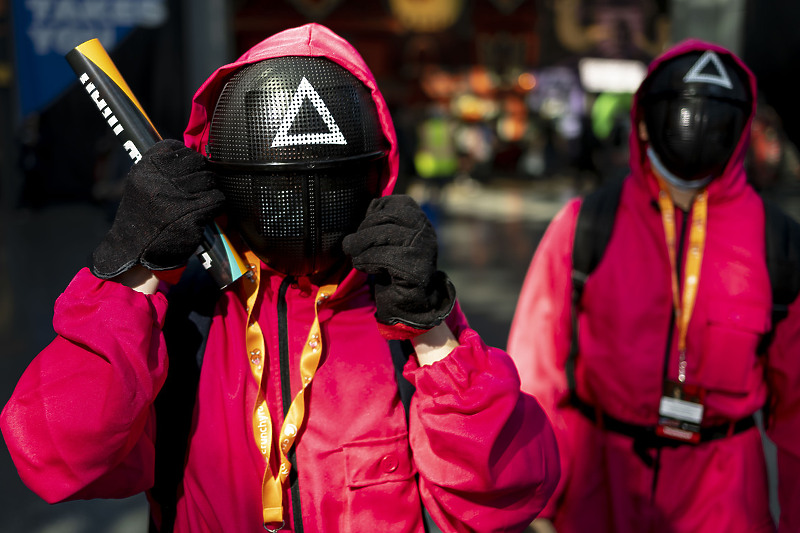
<point x="300" y="153"/>
<point x="695" y="108"/>
<point x="295" y="221"/>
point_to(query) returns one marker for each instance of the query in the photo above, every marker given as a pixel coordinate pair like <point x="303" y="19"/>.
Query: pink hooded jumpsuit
<point x="625" y="329"/>
<point x="476" y="451"/>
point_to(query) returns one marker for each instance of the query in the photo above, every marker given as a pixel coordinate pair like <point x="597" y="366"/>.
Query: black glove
<point x="397" y="244"/>
<point x="170" y="196"/>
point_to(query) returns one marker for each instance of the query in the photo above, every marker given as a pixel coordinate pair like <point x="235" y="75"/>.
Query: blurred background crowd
<point x="482" y="90"/>
<point x="504" y="109"/>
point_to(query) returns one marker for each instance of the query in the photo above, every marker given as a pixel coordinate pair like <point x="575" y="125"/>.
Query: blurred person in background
<point x="295" y="421"/>
<point x="654" y="409"/>
<point x="772" y="160"/>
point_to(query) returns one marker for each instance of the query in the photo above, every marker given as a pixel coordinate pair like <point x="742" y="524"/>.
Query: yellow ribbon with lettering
<point x="684" y="305"/>
<point x="272" y="484"/>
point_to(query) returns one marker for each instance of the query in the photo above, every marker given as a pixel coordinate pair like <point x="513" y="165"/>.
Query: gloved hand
<point x="170" y="196"/>
<point x="397" y="244"/>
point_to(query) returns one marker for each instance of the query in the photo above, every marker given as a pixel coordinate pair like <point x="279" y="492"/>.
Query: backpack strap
<point x="592" y="234"/>
<point x="401" y="350"/>
<point x="782" y="239"/>
<point x="186" y="325"/>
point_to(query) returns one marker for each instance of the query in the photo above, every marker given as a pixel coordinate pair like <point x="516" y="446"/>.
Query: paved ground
<point x="487" y="235"/>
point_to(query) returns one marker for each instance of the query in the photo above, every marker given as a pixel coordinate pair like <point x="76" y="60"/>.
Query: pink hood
<point x="308" y="40"/>
<point x="733" y="178"/>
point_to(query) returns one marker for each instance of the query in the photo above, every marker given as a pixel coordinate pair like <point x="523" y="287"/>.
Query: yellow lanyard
<point x="697" y="239"/>
<point x="272" y="484"/>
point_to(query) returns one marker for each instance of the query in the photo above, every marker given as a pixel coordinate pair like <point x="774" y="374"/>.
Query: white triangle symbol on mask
<point x="696" y="73"/>
<point x="334" y="135"/>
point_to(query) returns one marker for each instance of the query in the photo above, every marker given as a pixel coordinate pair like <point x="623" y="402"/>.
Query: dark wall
<point x="68" y="153"/>
<point x="482" y="34"/>
<point x="771" y="50"/>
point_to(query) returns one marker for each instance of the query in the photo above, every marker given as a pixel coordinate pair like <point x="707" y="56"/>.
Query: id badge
<point x="680" y="412"/>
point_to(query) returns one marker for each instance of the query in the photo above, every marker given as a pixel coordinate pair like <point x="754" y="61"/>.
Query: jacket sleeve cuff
<point x="467" y="366"/>
<point x="88" y="296"/>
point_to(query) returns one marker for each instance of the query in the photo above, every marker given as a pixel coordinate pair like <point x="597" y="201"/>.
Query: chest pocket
<point x="380" y="474"/>
<point x="730" y="345"/>
<point x="378" y="461"/>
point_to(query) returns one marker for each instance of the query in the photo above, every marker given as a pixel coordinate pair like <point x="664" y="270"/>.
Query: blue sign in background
<point x="45" y="30"/>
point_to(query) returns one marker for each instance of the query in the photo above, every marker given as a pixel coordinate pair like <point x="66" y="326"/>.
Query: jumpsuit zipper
<point x="286" y="396"/>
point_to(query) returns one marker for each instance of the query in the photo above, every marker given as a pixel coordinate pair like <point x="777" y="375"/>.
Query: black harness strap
<point x="783" y="263"/>
<point x="401" y="350"/>
<point x="645" y="437"/>
<point x="186" y="325"/>
<point x="592" y="234"/>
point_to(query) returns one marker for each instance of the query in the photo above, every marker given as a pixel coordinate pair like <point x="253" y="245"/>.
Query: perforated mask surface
<point x="300" y="152"/>
<point x="695" y="110"/>
<point x="296" y="221"/>
<point x="293" y="110"/>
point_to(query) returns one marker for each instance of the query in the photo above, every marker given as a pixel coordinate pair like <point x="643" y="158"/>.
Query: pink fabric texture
<point x="476" y="451"/>
<point x="624" y="325"/>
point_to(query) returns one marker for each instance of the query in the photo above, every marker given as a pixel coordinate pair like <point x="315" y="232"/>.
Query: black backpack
<point x="593" y="232"/>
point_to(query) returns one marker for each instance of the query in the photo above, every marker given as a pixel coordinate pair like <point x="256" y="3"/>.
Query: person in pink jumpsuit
<point x="655" y="423"/>
<point x="297" y="422"/>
